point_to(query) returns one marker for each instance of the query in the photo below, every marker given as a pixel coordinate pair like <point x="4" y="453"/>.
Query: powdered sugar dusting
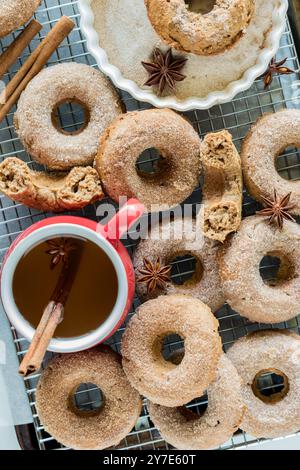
<point x="262" y="351"/>
<point x="267" y="139"/>
<point x="54" y="85"/>
<point x="217" y="424"/>
<point x="14" y="13"/>
<point x="243" y="286"/>
<point x="144" y="365"/>
<point x="171" y="239"/>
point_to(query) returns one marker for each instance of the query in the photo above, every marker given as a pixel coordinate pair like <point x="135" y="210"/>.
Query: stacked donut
<point x="224" y="272"/>
<point x="168" y="384"/>
<point x="171" y="384"/>
<point x="231" y="382"/>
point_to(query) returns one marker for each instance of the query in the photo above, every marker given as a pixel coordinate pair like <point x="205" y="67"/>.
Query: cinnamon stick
<point x="19" y="76"/>
<point x="14" y="50"/>
<point x="34" y="64"/>
<point x="52" y="316"/>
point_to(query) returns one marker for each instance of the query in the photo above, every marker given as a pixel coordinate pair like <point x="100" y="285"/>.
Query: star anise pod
<point x="165" y="70"/>
<point x="154" y="274"/>
<point x="277" y="209"/>
<point x="275" y="67"/>
<point x="59" y="250"/>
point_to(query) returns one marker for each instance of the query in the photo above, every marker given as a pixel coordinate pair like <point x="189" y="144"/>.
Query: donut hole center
<point x="270" y="385"/>
<point x="186" y="269"/>
<point x="195" y="409"/>
<point x="168" y="349"/>
<point x="70" y="117"/>
<point x="87" y="399"/>
<point x="152" y="164"/>
<point x="200" y="6"/>
<point x="276" y="269"/>
<point x="287" y="163"/>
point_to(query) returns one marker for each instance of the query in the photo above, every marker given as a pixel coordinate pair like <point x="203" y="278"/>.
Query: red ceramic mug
<point x="107" y="238"/>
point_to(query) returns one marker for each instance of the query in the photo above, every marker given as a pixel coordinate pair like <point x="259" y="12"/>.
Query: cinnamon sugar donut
<point x="267" y="139"/>
<point x="244" y="288"/>
<point x="169" y="240"/>
<point x="159" y="380"/>
<point x="262" y="353"/>
<point x="202" y="33"/>
<point x="125" y="140"/>
<point x="186" y="430"/>
<point x="37" y="129"/>
<point x="82" y="430"/>
<point x="15" y="13"/>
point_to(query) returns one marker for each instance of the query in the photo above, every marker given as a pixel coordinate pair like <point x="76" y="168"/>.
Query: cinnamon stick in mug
<point x="52" y="315"/>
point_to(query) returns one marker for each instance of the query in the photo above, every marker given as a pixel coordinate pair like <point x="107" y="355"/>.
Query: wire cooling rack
<point x="237" y="117"/>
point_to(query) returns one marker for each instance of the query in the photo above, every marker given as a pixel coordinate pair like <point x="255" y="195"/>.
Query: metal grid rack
<point x="237" y="117"/>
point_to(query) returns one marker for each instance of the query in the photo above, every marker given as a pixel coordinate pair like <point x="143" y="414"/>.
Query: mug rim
<point x="89" y="339"/>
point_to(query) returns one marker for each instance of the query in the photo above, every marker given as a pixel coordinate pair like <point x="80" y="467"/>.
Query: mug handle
<point x="128" y="214"/>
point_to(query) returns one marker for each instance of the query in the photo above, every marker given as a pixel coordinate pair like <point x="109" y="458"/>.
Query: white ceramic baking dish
<point x="226" y="95"/>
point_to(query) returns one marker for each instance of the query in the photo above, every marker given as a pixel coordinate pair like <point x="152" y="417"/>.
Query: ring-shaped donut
<point x="268" y="138"/>
<point x="199" y="33"/>
<point x="37" y="128"/>
<point x="82" y="430"/>
<point x="266" y="352"/>
<point x="244" y="288"/>
<point x="128" y="137"/>
<point x="170" y="240"/>
<point x="184" y="429"/>
<point x="15" y="13"/>
<point x="156" y="378"/>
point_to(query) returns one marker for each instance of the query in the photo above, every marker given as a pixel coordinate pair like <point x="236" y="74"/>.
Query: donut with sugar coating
<point x="82" y="430"/>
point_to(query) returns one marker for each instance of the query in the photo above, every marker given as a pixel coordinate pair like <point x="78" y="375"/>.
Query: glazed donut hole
<point x="153" y="164"/>
<point x="276" y="269"/>
<point x="86" y="400"/>
<point x="286" y="162"/>
<point x="70" y="116"/>
<point x="270" y="385"/>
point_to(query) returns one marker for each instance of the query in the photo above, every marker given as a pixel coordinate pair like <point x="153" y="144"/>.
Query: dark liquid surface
<point x="92" y="296"/>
